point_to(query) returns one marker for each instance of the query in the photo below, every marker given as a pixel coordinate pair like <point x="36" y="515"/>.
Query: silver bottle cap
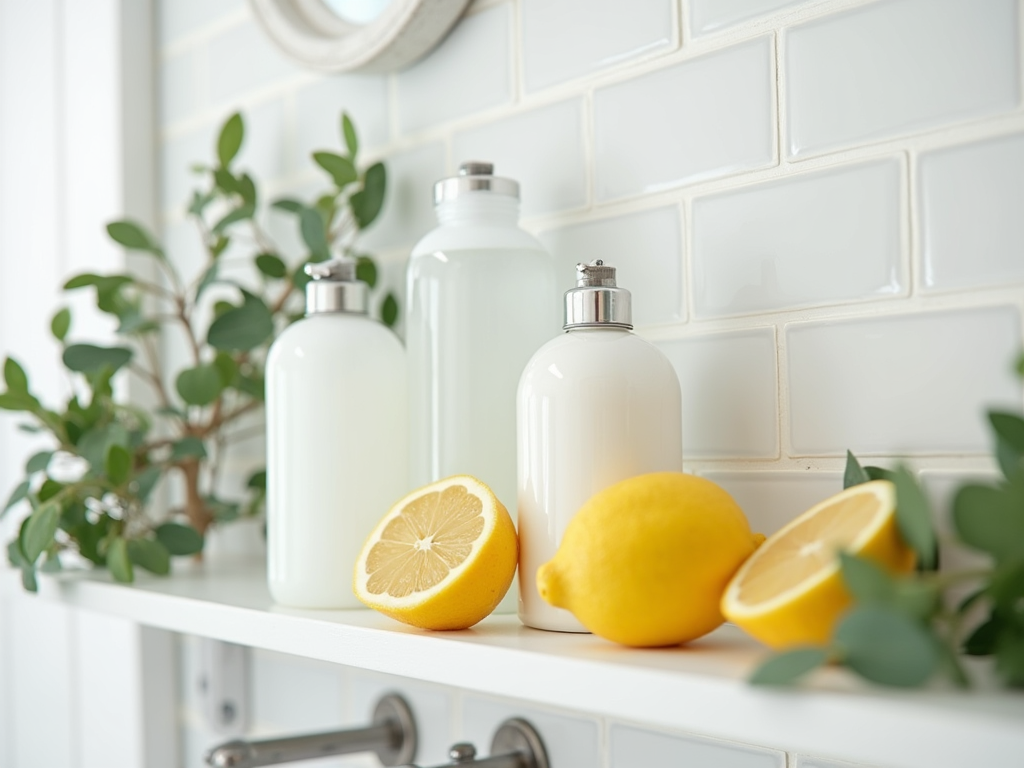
<point x="334" y="288"/>
<point x="474" y="177"/>
<point x="596" y="302"/>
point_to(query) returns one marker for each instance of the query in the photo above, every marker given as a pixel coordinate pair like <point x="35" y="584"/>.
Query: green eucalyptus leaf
<point x="1007" y="590"/>
<point x="230" y="139"/>
<point x="200" y="385"/>
<point x="389" y="310"/>
<point x="348" y="133"/>
<point x="367" y="202"/>
<point x="49" y="489"/>
<point x="867" y="581"/>
<point x="287" y="204"/>
<point x="787" y="667"/>
<point x="982" y="641"/>
<point x="854" y="473"/>
<point x="145" y="482"/>
<point x="87" y="358"/>
<point x="119" y="562"/>
<point x="188" y="447"/>
<point x="990" y="519"/>
<point x="271" y="265"/>
<point x="222" y="308"/>
<point x="37" y="533"/>
<point x="39" y="462"/>
<point x="151" y="555"/>
<point x="226" y="182"/>
<point x="28" y="579"/>
<point x="341" y="169"/>
<point x="15" y="377"/>
<point x="180" y="539"/>
<point x="61" y="324"/>
<point x="95" y="444"/>
<point x="18" y="494"/>
<point x="242" y="328"/>
<point x="1018" y="367"/>
<point x="366" y="270"/>
<point x="1009" y="427"/>
<point x="17" y="401"/>
<point x="118" y="465"/>
<point x="223" y="511"/>
<point x="133" y="236"/>
<point x="314" y="234"/>
<point x="226" y="367"/>
<point x="917" y="599"/>
<point x="1009" y="459"/>
<point x="886" y="647"/>
<point x="299" y="277"/>
<point x="258" y="480"/>
<point x="879" y="473"/>
<point x="1009" y="653"/>
<point x="200" y="201"/>
<point x="914" y="518"/>
<point x="208" y="278"/>
<point x="247" y="189"/>
<point x="52" y="563"/>
<point x="15" y="556"/>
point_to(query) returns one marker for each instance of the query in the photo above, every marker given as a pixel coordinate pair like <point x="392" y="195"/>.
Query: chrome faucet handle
<point x="391" y="735"/>
<point x="516" y="744"/>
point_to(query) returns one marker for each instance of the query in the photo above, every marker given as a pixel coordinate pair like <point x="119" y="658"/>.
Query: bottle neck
<point x="479" y="208"/>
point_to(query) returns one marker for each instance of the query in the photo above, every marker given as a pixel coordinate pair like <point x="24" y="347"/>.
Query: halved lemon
<point x="442" y="557"/>
<point x="790" y="591"/>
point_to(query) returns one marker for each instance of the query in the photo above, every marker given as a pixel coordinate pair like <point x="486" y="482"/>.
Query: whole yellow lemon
<point x="645" y="561"/>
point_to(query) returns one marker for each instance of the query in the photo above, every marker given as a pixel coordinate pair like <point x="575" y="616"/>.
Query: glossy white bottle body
<point x="337" y="448"/>
<point x="595" y="406"/>
<point x="481" y="300"/>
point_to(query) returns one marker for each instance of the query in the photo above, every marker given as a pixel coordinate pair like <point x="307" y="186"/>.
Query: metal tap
<point x="516" y="744"/>
<point x="392" y="735"/>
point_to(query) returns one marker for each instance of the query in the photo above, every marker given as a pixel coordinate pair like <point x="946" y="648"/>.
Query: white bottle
<point x="481" y="300"/>
<point x="595" y="406"/>
<point x="337" y="440"/>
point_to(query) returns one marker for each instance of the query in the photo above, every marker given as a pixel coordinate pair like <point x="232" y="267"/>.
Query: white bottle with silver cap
<point x="337" y="439"/>
<point x="481" y="300"/>
<point x="596" y="405"/>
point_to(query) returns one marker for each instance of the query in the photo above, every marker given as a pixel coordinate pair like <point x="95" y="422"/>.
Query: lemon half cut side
<point x="791" y="592"/>
<point x="441" y="558"/>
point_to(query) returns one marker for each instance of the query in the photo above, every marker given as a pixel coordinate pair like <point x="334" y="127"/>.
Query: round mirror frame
<point x="308" y="32"/>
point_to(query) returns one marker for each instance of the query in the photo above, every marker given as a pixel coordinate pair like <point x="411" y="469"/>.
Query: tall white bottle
<point x="481" y="300"/>
<point x="596" y="405"/>
<point x="337" y="439"/>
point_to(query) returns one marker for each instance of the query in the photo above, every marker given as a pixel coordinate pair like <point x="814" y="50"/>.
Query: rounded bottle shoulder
<point x="581" y="351"/>
<point x="338" y="332"/>
<point x="476" y="237"/>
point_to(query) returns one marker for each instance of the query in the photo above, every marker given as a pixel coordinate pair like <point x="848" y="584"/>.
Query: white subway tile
<point x="635" y="748"/>
<point x="264" y="153"/>
<point x="904" y="384"/>
<point x="772" y="499"/>
<point x="178" y="93"/>
<point x="318" y="109"/>
<point x="408" y="211"/>
<point x="176" y="159"/>
<point x="565" y="39"/>
<point x="469" y="72"/>
<point x="729" y="386"/>
<point x="433" y="707"/>
<point x="819" y="238"/>
<point x="571" y="741"/>
<point x="542" y="149"/>
<point x="971" y="201"/>
<point x="805" y="761"/>
<point x="243" y="59"/>
<point x="707" y="16"/>
<point x="644" y="247"/>
<point x="896" y="67"/>
<point x="292" y="695"/>
<point x="701" y="119"/>
<point x="177" y="18"/>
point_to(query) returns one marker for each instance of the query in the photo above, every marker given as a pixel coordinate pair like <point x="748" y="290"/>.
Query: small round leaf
<point x="200" y="385"/>
<point x="180" y="539"/>
<point x="61" y="324"/>
<point x="887" y="647"/>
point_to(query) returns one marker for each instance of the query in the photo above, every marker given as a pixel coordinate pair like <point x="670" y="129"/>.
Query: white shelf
<point x="698" y="688"/>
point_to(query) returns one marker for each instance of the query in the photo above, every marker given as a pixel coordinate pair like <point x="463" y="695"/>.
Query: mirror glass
<point x="357" y="11"/>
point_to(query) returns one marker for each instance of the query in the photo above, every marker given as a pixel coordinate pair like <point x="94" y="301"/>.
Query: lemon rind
<point x="489" y="513"/>
<point x="883" y="490"/>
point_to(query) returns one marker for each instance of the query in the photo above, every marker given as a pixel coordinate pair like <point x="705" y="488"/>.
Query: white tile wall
<point x="820" y="238"/>
<point x="701" y="119"/>
<point x="972" y="230"/>
<point x="772" y="499"/>
<point x="644" y="247"/>
<point x="474" y="64"/>
<point x="813" y="203"/>
<point x="914" y="383"/>
<point x="566" y="39"/>
<point x="804" y="761"/>
<point x="899" y="66"/>
<point x="636" y="748"/>
<point x="707" y="16"/>
<point x="730" y="399"/>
